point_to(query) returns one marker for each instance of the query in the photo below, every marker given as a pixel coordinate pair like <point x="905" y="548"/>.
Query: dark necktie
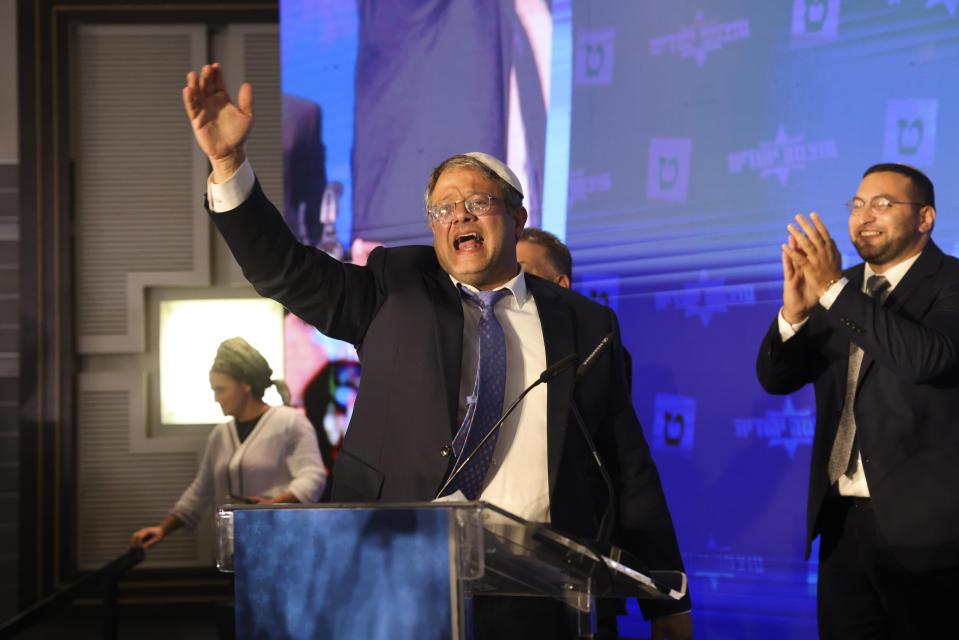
<point x="844" y="456"/>
<point x="485" y="405"/>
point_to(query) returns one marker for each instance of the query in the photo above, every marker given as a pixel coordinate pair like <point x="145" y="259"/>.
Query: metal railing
<point x="105" y="577"/>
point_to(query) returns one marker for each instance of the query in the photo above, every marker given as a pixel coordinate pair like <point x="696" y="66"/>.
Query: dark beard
<point x="885" y="252"/>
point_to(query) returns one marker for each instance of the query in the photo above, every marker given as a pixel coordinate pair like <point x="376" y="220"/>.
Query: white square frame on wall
<point x="191" y="331"/>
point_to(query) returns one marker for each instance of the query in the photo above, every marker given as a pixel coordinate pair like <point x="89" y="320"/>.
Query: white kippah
<point x="497" y="167"/>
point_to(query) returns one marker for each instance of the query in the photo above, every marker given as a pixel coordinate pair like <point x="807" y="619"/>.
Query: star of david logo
<point x="705" y="304"/>
<point x="782" y="139"/>
<point x="789" y="443"/>
<point x="714" y="576"/>
<point x="701" y="47"/>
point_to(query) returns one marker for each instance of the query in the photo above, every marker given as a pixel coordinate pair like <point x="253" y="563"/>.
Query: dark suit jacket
<point x="906" y="404"/>
<point x="406" y="318"/>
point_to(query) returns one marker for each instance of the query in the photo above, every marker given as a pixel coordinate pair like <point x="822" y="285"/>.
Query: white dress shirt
<point x="518" y="478"/>
<point x="854" y="485"/>
<point x="233" y="191"/>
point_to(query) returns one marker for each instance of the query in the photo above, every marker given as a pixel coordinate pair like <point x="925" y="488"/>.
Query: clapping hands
<point x="811" y="262"/>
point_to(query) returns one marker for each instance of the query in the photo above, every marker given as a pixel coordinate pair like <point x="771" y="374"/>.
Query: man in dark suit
<point x="880" y="342"/>
<point x="416" y="333"/>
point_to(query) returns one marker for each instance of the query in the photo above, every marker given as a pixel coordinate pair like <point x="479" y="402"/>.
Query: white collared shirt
<point x="854" y="485"/>
<point x="233" y="191"/>
<point x="518" y="478"/>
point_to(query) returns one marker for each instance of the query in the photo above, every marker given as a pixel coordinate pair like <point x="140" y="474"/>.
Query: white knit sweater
<point x="280" y="453"/>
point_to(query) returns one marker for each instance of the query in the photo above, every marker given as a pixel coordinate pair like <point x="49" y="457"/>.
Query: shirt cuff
<point x="786" y="330"/>
<point x="832" y="292"/>
<point x="233" y="191"/>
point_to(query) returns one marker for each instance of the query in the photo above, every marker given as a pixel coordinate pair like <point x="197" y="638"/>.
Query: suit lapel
<point x="448" y="311"/>
<point x="906" y="293"/>
<point x="559" y="338"/>
<point x="926" y="266"/>
<point x="855" y="276"/>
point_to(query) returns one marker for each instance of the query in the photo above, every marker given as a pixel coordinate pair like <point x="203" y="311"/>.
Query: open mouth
<point x="467" y="242"/>
<point x="869" y="234"/>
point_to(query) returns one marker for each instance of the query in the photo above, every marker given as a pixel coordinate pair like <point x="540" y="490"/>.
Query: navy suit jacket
<point x="404" y="314"/>
<point x="906" y="403"/>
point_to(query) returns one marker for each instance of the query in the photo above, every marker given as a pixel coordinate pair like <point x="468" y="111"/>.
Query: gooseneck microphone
<point x="552" y="371"/>
<point x="595" y="355"/>
<point x="606" y="522"/>
<point x="548" y="374"/>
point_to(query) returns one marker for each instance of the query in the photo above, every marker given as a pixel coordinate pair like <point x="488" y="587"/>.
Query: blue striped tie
<point x="485" y="405"/>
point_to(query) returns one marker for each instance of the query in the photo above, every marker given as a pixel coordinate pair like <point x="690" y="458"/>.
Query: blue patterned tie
<point x="485" y="405"/>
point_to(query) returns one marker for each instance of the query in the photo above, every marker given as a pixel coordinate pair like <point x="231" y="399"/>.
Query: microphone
<point x="556" y="368"/>
<point x="548" y="374"/>
<point x="594" y="355"/>
<point x="606" y="522"/>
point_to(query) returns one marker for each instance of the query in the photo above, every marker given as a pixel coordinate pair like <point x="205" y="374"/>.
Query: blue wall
<point x="686" y="135"/>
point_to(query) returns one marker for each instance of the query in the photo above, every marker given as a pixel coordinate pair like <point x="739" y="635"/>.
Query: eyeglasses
<point x="477" y="204"/>
<point x="879" y="204"/>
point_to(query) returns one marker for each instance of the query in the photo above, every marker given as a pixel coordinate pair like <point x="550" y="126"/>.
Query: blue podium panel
<point x="343" y="574"/>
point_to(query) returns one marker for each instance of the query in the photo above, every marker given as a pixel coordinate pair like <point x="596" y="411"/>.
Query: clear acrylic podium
<point x="407" y="570"/>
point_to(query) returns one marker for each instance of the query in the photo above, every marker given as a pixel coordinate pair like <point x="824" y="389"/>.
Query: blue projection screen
<point x="669" y="143"/>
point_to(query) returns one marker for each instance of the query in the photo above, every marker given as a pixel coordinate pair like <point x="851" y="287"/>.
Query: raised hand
<point x="813" y="250"/>
<point x="796" y="299"/>
<point x="220" y="126"/>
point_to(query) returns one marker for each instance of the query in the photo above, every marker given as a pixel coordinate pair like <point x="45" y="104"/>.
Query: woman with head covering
<point x="263" y="454"/>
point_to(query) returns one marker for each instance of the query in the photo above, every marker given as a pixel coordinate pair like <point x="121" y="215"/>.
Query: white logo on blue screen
<point x="780" y="156"/>
<point x="667" y="177"/>
<point x="594" y="56"/>
<point x="674" y="426"/>
<point x="788" y="428"/>
<point x="699" y="38"/>
<point x="815" y="19"/>
<point x="911" y="131"/>
<point x="719" y="563"/>
<point x="705" y="297"/>
<point x="950" y="5"/>
<point x="582" y="185"/>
